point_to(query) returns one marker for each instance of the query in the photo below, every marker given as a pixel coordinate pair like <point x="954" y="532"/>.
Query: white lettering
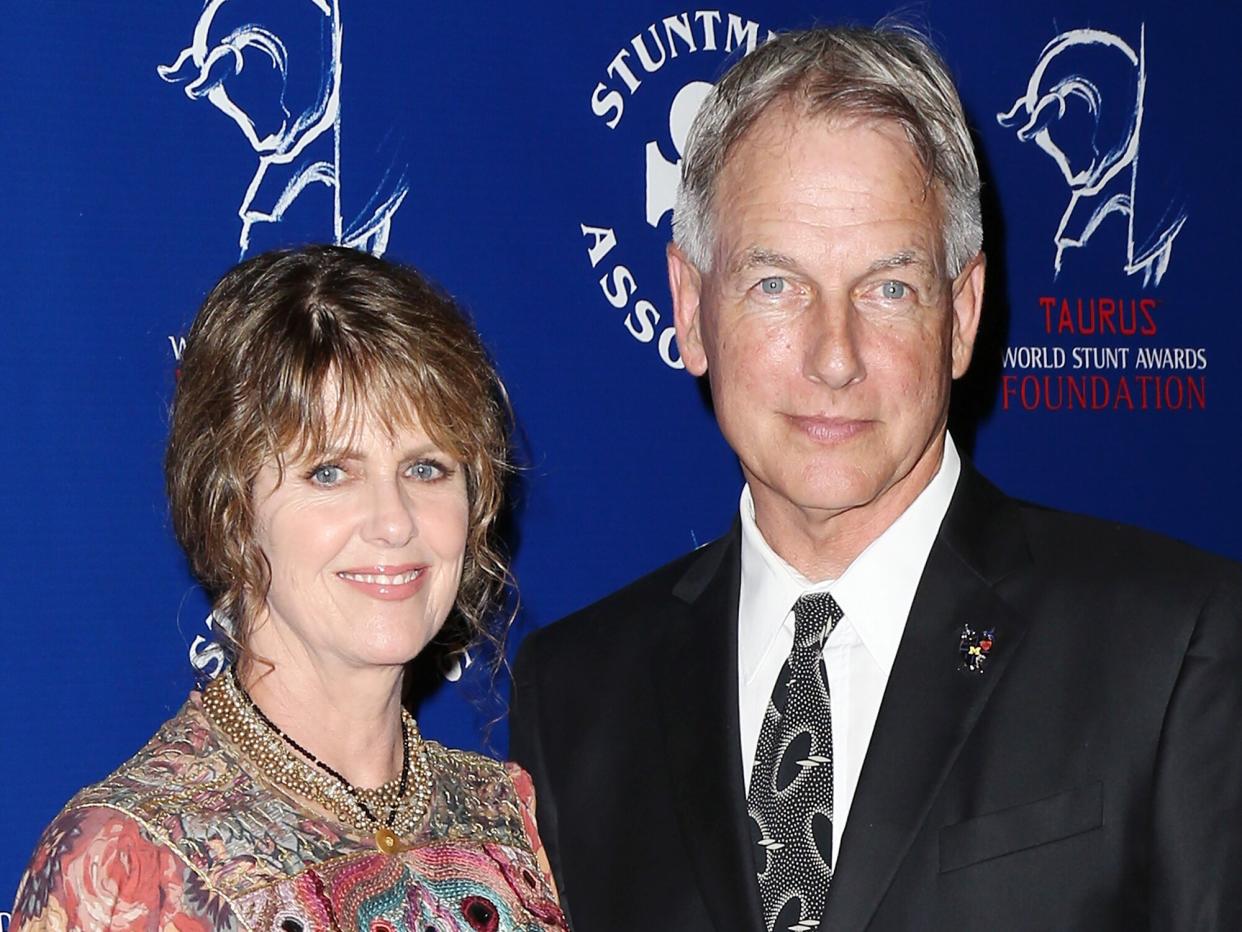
<point x="649" y="64"/>
<point x="680" y="26"/>
<point x="1165" y="357"/>
<point x="178" y="347"/>
<point x="604" y="238"/>
<point x="1100" y="357"/>
<point x="623" y="282"/>
<point x="618" y="65"/>
<point x="207" y="655"/>
<point x="668" y="345"/>
<point x="738" y="33"/>
<point x="455" y="664"/>
<point x="669" y="37"/>
<point x="648" y="316"/>
<point x="619" y="287"/>
<point x="609" y="102"/>
<point x="1034" y="357"/>
<point x="709" y="19"/>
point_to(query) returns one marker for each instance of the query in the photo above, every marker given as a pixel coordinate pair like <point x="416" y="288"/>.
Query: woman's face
<point x="365" y="543"/>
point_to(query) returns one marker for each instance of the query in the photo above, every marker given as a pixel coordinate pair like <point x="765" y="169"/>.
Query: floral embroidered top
<point x="185" y="837"/>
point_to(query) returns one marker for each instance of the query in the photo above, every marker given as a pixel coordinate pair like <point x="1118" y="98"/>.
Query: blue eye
<point x="772" y="285"/>
<point x="427" y="471"/>
<point x="326" y="475"/>
<point x="894" y="291"/>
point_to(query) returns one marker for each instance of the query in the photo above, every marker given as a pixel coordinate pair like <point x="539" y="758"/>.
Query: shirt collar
<point x="875" y="591"/>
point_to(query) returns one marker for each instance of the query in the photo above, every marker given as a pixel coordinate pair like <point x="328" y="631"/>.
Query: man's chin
<point x="822" y="500"/>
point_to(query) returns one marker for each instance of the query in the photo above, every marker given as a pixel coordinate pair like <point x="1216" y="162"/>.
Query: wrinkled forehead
<point x="789" y="119"/>
<point x="836" y="170"/>
<point x="789" y="149"/>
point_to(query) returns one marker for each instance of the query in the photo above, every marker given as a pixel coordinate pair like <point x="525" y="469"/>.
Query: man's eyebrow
<point x="905" y="259"/>
<point x="758" y="257"/>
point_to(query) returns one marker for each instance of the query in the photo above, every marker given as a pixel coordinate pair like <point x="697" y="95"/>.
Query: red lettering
<point x="1123" y="394"/>
<point x="1107" y="308"/>
<point x="1032" y="402"/>
<point x="1007" y="390"/>
<point x="1066" y="320"/>
<point x="1048" y="304"/>
<point x="1099" y="392"/>
<point x="1196" y="387"/>
<point x="1087" y="328"/>
<point x="1078" y="393"/>
<point x="1049" y="381"/>
<point x="1146" y="306"/>
<point x="1170" y="401"/>
<point x="1102" y="315"/>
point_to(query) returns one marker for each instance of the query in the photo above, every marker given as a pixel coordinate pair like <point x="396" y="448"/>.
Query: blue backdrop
<point x="524" y="155"/>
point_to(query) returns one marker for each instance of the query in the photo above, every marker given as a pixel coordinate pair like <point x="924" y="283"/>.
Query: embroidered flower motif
<point x="481" y="913"/>
<point x="524" y="880"/>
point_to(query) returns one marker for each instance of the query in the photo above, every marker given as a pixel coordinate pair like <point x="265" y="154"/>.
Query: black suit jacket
<point x="1089" y="778"/>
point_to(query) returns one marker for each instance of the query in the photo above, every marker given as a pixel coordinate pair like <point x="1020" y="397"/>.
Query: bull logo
<point x="1083" y="106"/>
<point x="273" y="67"/>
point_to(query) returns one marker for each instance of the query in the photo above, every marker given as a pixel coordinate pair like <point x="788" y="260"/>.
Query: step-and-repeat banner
<point x="526" y="156"/>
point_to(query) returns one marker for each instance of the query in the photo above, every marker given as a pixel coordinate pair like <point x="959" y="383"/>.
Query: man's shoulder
<point x="1093" y="551"/>
<point x="1069" y="537"/>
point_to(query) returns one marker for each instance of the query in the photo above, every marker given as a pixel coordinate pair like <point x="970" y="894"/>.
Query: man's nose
<point x="390" y="519"/>
<point x="832" y="353"/>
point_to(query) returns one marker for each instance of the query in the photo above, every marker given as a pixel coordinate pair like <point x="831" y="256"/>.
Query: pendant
<point x="386" y="840"/>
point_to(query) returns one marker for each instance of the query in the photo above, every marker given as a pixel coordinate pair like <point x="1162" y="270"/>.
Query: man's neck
<point x="822" y="543"/>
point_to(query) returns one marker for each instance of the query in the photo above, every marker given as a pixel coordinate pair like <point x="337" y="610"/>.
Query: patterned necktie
<point x="790" y="800"/>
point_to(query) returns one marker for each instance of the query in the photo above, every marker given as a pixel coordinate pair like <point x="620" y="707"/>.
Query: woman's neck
<point x="350" y="719"/>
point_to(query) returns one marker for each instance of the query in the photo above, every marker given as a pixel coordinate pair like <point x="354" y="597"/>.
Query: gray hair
<point x="888" y="73"/>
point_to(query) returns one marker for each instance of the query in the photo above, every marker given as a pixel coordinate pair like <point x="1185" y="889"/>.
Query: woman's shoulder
<point x="474" y="798"/>
<point x="181" y="759"/>
<point x="187" y="792"/>
<point x="480" y="800"/>
<point x="185" y="785"/>
<point x="100" y="868"/>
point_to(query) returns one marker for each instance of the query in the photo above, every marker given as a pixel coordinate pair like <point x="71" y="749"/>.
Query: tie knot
<point x="815" y="615"/>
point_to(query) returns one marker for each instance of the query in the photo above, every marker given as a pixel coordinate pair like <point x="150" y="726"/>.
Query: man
<point x="891" y="697"/>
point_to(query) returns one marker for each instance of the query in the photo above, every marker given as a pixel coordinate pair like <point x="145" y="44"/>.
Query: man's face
<point x="826" y="325"/>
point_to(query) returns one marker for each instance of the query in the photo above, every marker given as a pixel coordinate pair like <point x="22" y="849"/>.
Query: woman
<point x="334" y="469"/>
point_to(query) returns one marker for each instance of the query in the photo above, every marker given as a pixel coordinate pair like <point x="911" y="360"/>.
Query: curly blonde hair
<point x="276" y="336"/>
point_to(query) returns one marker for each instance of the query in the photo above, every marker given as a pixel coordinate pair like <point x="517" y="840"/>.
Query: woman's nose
<point x="390" y="518"/>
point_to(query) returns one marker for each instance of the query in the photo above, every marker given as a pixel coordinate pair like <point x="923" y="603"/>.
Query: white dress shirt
<point x="875" y="592"/>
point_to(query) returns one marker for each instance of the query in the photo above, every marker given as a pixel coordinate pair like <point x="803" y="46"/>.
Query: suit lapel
<point x="930" y="704"/>
<point x="696" y="682"/>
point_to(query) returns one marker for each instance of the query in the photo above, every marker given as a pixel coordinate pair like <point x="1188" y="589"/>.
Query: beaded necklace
<point x="284" y="761"/>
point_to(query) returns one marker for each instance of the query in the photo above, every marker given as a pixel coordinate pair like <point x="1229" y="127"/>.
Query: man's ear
<point x="686" y="284"/>
<point x="967" y="309"/>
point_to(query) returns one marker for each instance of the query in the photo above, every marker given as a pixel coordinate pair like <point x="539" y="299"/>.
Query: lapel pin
<point x="975" y="646"/>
